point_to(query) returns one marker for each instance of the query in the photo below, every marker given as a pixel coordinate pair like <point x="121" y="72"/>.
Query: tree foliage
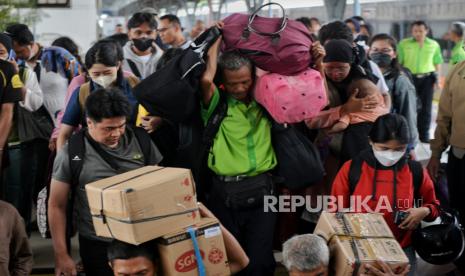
<point x="9" y="13"/>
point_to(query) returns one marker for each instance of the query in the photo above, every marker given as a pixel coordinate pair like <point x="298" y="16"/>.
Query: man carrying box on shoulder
<point x="104" y="149"/>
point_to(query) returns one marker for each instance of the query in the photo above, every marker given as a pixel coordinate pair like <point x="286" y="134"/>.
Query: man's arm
<point x="11" y="91"/>
<point x="442" y="132"/>
<point x="237" y="258"/>
<point x="65" y="132"/>
<point x="57" y="221"/>
<point x="206" y="83"/>
<point x="438" y="60"/>
<point x="6" y="121"/>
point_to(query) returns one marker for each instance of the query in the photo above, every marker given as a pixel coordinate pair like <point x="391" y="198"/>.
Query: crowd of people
<point x="66" y="122"/>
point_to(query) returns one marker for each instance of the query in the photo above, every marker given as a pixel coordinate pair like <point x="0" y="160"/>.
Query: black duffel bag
<point x="33" y="125"/>
<point x="299" y="162"/>
<point x="173" y="91"/>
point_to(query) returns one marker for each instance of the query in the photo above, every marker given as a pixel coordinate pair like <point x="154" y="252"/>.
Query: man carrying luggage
<point x="104" y="149"/>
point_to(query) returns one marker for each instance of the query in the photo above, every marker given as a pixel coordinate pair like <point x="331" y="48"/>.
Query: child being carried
<point x="363" y="87"/>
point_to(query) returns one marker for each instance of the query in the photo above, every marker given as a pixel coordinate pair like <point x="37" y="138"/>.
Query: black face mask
<point x="142" y="44"/>
<point x="363" y="38"/>
<point x="381" y="59"/>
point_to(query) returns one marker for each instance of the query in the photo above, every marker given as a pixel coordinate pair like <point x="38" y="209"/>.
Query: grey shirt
<point x="404" y="101"/>
<point x="128" y="156"/>
<point x="146" y="68"/>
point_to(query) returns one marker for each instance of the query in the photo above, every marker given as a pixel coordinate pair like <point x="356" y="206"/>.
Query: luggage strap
<point x="198" y="255"/>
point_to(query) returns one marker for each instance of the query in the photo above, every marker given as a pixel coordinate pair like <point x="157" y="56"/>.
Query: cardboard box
<point x="177" y="251"/>
<point x="368" y="233"/>
<point x="143" y="204"/>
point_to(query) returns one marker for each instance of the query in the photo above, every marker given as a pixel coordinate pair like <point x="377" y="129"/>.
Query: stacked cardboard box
<point x="156" y="202"/>
<point x="356" y="239"/>
<point x="178" y="256"/>
<point x="143" y="204"/>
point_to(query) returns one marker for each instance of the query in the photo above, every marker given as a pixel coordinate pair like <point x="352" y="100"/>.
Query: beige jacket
<point x="15" y="252"/>
<point x="451" y="116"/>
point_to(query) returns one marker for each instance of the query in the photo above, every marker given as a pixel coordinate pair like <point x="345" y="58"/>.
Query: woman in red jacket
<point x="386" y="176"/>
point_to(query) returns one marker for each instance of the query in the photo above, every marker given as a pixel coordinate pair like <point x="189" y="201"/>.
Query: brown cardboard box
<point x="143" y="204"/>
<point x="178" y="256"/>
<point x="369" y="233"/>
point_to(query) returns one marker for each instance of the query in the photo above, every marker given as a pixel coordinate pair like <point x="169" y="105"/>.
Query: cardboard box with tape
<point x="143" y="204"/>
<point x="178" y="256"/>
<point x="355" y="239"/>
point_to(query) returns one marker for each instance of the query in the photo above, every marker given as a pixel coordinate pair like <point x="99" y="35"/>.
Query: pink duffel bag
<point x="277" y="45"/>
<point x="291" y="99"/>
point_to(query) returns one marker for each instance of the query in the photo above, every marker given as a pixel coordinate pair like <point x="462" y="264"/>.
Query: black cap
<point x="338" y="50"/>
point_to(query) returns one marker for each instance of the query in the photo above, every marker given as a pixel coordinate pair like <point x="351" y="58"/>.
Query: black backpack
<point x="362" y="63"/>
<point x="172" y="93"/>
<point x="32" y="124"/>
<point x="213" y="124"/>
<point x="355" y="171"/>
<point x="302" y="165"/>
<point x="134" y="68"/>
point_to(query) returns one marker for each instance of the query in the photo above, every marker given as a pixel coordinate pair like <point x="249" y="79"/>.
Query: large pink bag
<point x="277" y="45"/>
<point x="291" y="99"/>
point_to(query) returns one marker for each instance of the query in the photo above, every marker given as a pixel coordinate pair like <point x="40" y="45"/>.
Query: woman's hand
<point x="318" y="53"/>
<point x="415" y="216"/>
<point x="354" y="104"/>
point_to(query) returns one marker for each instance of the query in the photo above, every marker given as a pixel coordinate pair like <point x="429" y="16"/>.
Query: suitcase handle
<point x="275" y="35"/>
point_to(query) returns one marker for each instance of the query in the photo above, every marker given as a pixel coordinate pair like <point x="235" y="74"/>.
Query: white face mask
<point x="388" y="158"/>
<point x="104" y="81"/>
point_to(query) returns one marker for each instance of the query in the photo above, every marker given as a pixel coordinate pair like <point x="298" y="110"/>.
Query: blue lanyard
<point x="198" y="256"/>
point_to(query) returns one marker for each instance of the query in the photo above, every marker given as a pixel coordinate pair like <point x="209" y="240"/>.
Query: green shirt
<point x="419" y="60"/>
<point x="242" y="145"/>
<point x="457" y="54"/>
